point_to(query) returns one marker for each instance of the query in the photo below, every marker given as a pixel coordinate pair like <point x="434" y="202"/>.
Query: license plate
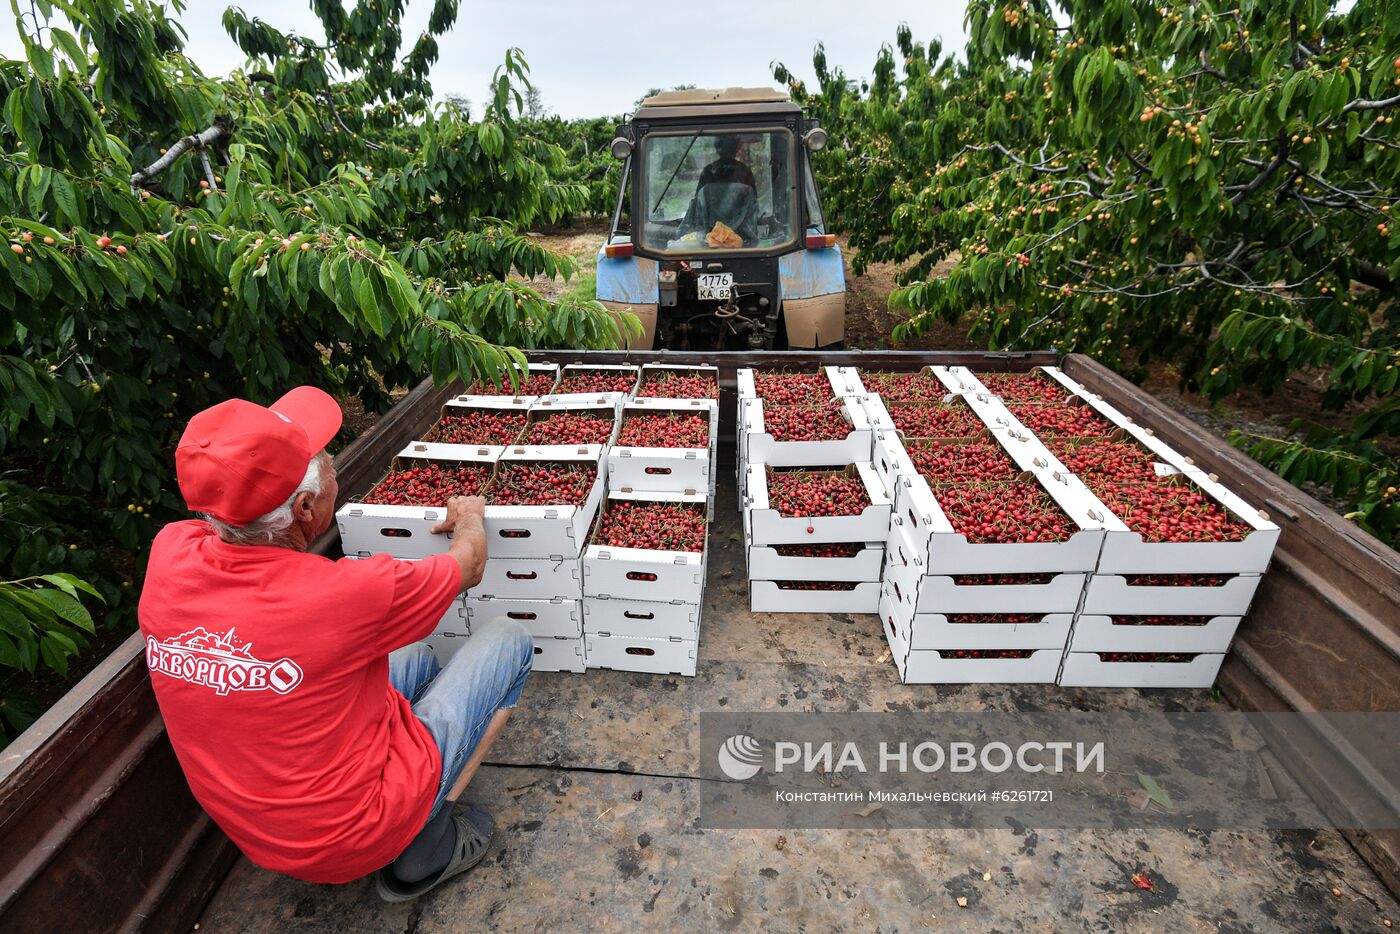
<point x="715" y="286"/>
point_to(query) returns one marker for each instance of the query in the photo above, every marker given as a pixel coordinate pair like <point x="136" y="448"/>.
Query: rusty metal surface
<point x="595" y="791"/>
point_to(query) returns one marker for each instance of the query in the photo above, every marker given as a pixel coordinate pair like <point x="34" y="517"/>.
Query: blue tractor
<point x="717" y="241"/>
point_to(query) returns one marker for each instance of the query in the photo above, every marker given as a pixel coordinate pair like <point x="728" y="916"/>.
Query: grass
<point x="583" y="288"/>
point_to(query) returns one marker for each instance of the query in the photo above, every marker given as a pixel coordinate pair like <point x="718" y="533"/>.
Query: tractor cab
<point x="717" y="239"/>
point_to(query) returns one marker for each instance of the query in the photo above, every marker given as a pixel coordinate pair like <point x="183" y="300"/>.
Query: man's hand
<point x="466" y="520"/>
<point x="461" y="509"/>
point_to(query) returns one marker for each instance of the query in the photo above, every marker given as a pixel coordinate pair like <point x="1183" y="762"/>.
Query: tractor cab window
<point x="716" y="191"/>
<point x="814" y="204"/>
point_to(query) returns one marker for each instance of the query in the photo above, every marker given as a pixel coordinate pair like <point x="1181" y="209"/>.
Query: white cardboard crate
<point x="768" y="597"/>
<point x="877" y="415"/>
<point x="958" y="379"/>
<point x="446" y="644"/>
<point x="665" y="469"/>
<point x="765" y="563"/>
<point x="559" y="654"/>
<point x="1101" y="634"/>
<point x="545" y="619"/>
<point x="642" y="573"/>
<point x="1111" y="595"/>
<point x="635" y="653"/>
<point x="838" y="377"/>
<point x="972" y="384"/>
<point x="406" y="531"/>
<point x="544" y="531"/>
<point x="929" y="531"/>
<point x="892" y="459"/>
<point x="1125" y="552"/>
<point x="855" y="380"/>
<point x="895" y="626"/>
<point x="457" y="618"/>
<point x="757" y="445"/>
<point x="934" y="631"/>
<point x="711" y="371"/>
<point x="880" y="414"/>
<point x="534" y="368"/>
<point x="916" y="653"/>
<point x="918" y="592"/>
<point x="1087" y="669"/>
<point x="553" y="405"/>
<point x="614" y="397"/>
<point x="1144" y="436"/>
<point x="929" y="666"/>
<point x="649" y="619"/>
<point x="465" y="406"/>
<point x="765" y="526"/>
<point x="529" y="579"/>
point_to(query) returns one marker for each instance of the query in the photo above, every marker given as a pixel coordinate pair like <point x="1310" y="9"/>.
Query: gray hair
<point x="271" y="528"/>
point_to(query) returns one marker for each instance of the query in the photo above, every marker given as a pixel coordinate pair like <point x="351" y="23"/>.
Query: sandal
<point x="474" y="829"/>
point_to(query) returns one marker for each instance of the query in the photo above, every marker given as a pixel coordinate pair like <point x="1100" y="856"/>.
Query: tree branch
<point x="221" y="128"/>
<point x="1363" y="104"/>
<point x="1258" y="181"/>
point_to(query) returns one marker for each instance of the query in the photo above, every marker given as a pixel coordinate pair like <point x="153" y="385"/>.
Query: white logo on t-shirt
<point x="219" y="661"/>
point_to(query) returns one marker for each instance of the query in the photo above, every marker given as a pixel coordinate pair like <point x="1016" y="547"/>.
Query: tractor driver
<point x="726" y="193"/>
<point x="726" y="167"/>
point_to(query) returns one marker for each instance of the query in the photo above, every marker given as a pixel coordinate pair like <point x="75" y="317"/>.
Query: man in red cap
<point x="314" y="729"/>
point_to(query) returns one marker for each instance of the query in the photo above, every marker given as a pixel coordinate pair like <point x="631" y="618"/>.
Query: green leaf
<point x="69" y="584"/>
<point x="369" y="305"/>
<point x="65" y="607"/>
<point x="13" y="621"/>
<point x="67" y="201"/>
<point x="1156" y="792"/>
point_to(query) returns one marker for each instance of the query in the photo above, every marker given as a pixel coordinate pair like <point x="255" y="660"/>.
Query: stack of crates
<point x="960" y="608"/>
<point x="642" y="605"/>
<point x="532" y="572"/>
<point x="799" y="563"/>
<point x="1155" y="612"/>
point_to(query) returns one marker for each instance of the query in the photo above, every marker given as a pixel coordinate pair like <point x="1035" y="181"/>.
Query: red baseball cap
<point x="237" y="460"/>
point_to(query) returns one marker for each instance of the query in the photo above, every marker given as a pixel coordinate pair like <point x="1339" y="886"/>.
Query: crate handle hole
<point x="396" y="533"/>
<point x="658" y="470"/>
<point x="517" y="615"/>
<point x="640" y="576"/>
<point x="538" y="650"/>
<point x="522" y="575"/>
<point x="515" y="533"/>
<point x="638" y="650"/>
<point x="630" y="615"/>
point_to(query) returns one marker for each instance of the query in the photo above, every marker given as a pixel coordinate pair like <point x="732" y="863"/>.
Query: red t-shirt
<point x="270" y="667"/>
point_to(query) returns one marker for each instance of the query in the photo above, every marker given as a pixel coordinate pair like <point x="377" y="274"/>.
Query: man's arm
<point x="466" y="521"/>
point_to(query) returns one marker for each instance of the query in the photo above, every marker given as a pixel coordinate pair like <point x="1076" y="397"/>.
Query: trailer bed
<point x="594" y="788"/>
<point x="595" y="792"/>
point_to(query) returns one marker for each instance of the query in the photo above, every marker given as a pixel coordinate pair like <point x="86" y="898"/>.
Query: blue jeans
<point x="456" y="702"/>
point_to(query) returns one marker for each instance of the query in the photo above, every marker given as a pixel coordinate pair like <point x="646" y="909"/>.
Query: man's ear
<point x="302" y="506"/>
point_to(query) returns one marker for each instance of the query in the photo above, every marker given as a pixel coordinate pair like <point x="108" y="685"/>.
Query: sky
<point x="590" y="59"/>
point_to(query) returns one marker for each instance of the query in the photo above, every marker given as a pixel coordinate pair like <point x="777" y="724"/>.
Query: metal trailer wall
<point x="98" y="829"/>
